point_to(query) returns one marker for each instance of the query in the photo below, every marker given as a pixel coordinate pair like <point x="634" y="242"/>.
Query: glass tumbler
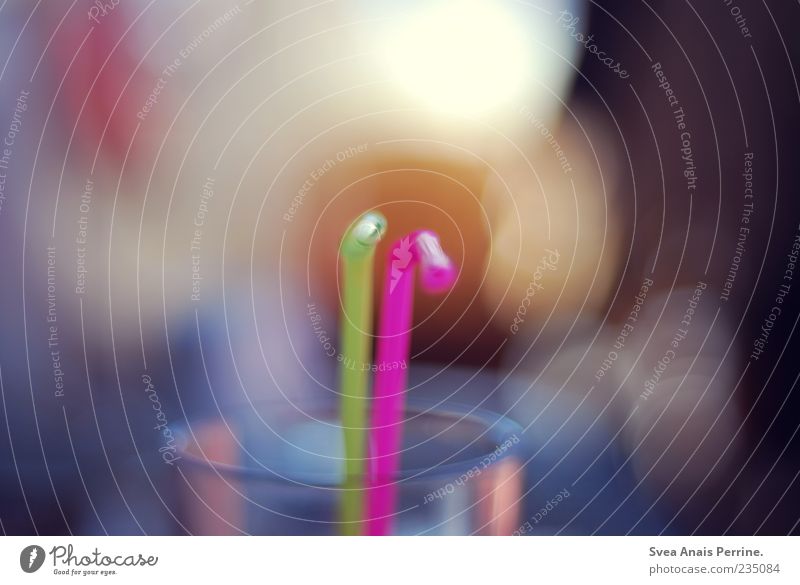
<point x="273" y="468"/>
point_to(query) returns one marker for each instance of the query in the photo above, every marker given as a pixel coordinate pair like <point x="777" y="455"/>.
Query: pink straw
<point x="392" y="355"/>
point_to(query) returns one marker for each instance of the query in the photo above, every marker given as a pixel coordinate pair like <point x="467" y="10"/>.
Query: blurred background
<point x="615" y="183"/>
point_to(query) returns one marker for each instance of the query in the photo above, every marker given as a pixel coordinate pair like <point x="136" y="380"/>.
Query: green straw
<point x="357" y="253"/>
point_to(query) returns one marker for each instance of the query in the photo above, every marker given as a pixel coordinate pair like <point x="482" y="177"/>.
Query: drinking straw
<point x="357" y="253"/>
<point x="438" y="274"/>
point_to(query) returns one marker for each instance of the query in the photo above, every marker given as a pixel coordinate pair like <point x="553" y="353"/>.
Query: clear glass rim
<point x="497" y="428"/>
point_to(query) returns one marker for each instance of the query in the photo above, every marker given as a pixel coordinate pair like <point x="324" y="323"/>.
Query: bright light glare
<point x="461" y="56"/>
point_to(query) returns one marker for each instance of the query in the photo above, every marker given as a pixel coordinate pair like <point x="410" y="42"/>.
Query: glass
<point x="273" y="468"/>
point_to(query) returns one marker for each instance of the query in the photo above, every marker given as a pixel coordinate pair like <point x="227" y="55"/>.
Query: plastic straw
<point x="357" y="255"/>
<point x="437" y="274"/>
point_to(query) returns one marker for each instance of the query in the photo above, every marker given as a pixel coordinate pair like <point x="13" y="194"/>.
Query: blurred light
<point x="462" y="56"/>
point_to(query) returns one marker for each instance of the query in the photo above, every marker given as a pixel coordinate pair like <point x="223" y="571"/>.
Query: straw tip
<point x="364" y="234"/>
<point x="370" y="228"/>
<point x="438" y="271"/>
